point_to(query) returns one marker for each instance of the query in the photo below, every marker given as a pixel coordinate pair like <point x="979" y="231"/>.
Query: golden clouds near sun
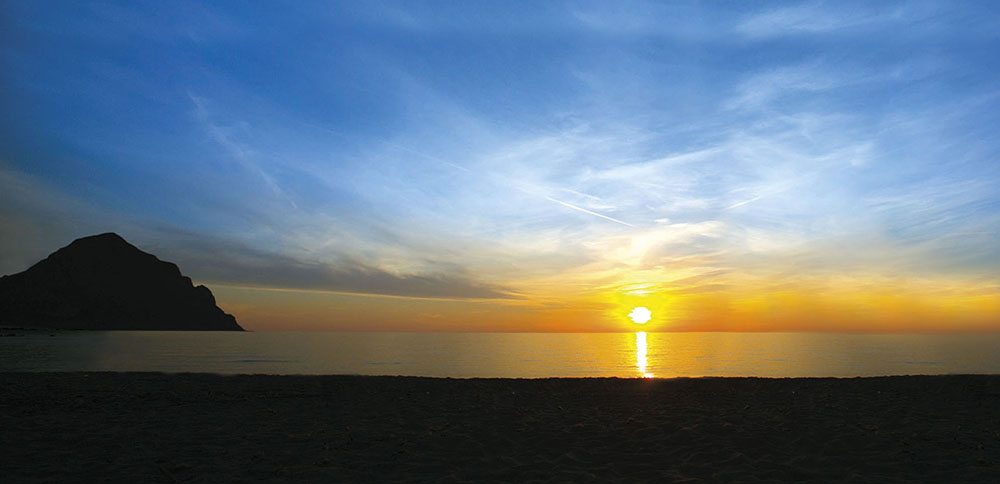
<point x="640" y="315"/>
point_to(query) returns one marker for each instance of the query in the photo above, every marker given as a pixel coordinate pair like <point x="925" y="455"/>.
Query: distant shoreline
<point x="158" y="427"/>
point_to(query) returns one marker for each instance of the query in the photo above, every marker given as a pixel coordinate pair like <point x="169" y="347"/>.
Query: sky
<point x="520" y="166"/>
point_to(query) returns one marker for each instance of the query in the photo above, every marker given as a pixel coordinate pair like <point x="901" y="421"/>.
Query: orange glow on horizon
<point x="824" y="305"/>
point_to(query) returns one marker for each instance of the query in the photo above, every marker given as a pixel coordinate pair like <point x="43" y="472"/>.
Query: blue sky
<point x="508" y="150"/>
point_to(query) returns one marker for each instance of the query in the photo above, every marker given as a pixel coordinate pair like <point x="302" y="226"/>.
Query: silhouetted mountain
<point x="104" y="282"/>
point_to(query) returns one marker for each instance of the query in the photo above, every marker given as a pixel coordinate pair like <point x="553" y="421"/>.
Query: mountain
<point x="104" y="282"/>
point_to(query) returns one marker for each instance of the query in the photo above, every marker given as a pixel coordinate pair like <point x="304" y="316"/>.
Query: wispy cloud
<point x="228" y="262"/>
<point x="814" y="17"/>
<point x="550" y="152"/>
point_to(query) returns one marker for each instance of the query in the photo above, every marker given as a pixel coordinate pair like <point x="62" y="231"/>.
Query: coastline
<point x="152" y="427"/>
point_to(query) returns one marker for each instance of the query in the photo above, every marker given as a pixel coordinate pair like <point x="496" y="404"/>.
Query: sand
<point x="143" y="427"/>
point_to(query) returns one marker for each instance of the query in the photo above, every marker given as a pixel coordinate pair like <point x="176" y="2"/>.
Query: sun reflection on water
<point x="640" y="354"/>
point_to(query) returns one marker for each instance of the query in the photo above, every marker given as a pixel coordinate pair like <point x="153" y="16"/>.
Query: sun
<point x="640" y="315"/>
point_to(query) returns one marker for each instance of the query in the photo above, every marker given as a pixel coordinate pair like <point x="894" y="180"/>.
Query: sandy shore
<point x="140" y="427"/>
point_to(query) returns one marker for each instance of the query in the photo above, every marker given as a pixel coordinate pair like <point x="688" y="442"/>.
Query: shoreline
<point x="195" y="427"/>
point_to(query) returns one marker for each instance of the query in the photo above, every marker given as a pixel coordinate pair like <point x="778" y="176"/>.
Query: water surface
<point x="504" y="354"/>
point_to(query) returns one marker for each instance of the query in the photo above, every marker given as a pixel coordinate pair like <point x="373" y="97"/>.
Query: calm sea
<point x="503" y="354"/>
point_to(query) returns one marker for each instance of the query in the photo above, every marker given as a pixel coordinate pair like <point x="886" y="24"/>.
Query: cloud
<point x="817" y="17"/>
<point x="650" y="18"/>
<point x="36" y="219"/>
<point x="215" y="260"/>
<point x="445" y="154"/>
<point x="762" y="88"/>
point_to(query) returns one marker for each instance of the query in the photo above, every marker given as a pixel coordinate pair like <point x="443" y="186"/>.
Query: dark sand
<point x="140" y="427"/>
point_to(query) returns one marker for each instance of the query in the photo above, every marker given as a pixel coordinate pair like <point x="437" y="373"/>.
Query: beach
<point x="152" y="427"/>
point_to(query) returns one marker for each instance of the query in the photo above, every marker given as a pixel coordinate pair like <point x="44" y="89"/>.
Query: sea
<point x="506" y="355"/>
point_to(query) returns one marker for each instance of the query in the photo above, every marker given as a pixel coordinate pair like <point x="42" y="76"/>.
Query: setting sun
<point x="640" y="315"/>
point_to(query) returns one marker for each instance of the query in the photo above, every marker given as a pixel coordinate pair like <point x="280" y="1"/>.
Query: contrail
<point x="574" y="207"/>
<point x="744" y="202"/>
